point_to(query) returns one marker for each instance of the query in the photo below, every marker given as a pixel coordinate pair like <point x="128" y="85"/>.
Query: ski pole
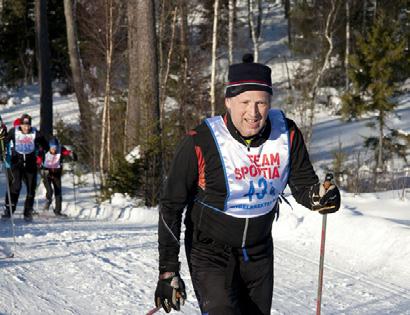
<point x="153" y="311"/>
<point x="9" y="200"/>
<point x="75" y="193"/>
<point x="326" y="185"/>
<point x="321" y="263"/>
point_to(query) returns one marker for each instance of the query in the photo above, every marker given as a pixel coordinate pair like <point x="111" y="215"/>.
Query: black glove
<point x="325" y="201"/>
<point x="170" y="292"/>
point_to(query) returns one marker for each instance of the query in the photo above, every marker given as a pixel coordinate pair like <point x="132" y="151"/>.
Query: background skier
<point x="51" y="171"/>
<point x="230" y="173"/>
<point x="23" y="143"/>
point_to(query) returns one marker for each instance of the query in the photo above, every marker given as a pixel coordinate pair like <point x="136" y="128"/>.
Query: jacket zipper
<point x="245" y="232"/>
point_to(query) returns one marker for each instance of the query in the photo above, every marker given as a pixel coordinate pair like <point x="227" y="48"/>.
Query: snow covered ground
<point x="103" y="259"/>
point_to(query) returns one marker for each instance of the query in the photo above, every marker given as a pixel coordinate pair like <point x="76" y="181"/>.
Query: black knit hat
<point x="25" y="119"/>
<point x="248" y="76"/>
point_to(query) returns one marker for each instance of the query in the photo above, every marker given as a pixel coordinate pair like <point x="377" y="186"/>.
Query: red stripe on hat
<point x="247" y="81"/>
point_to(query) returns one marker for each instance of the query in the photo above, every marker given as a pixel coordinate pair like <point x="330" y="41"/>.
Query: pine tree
<point x="372" y="75"/>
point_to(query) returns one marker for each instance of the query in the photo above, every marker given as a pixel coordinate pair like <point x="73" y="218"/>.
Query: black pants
<point x="226" y="284"/>
<point x="17" y="175"/>
<point x="52" y="183"/>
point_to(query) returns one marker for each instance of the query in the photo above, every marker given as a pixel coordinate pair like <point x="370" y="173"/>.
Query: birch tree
<point x="253" y="29"/>
<point x="167" y="66"/>
<point x="328" y="34"/>
<point x="231" y="18"/>
<point x="184" y="66"/>
<point x="213" y="64"/>
<point x="133" y="115"/>
<point x="347" y="51"/>
<point x="105" y="156"/>
<point x="76" y="69"/>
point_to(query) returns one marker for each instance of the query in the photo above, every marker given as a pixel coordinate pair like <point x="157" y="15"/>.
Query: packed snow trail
<point x="97" y="267"/>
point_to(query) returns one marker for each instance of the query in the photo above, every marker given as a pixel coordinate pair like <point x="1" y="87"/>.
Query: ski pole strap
<point x="282" y="197"/>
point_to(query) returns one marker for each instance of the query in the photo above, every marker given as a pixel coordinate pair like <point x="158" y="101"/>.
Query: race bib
<point x="52" y="160"/>
<point x="255" y="177"/>
<point x="24" y="143"/>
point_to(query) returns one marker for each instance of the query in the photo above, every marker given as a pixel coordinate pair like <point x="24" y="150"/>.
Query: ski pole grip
<point x="328" y="181"/>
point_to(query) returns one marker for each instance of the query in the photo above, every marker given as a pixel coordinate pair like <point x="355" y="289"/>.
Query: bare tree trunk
<point x="230" y="30"/>
<point x="364" y="16"/>
<point x="161" y="26"/>
<point x="328" y="33"/>
<point x="213" y="66"/>
<point x="44" y="72"/>
<point x="105" y="153"/>
<point x="287" y="73"/>
<point x="347" y="51"/>
<point x="133" y="114"/>
<point x="148" y="98"/>
<point x="380" y="163"/>
<point x="287" y="8"/>
<point x="259" y="19"/>
<point x="184" y="67"/>
<point x="288" y="17"/>
<point x="25" y="57"/>
<point x="163" y="89"/>
<point x="255" y="40"/>
<point x="76" y="69"/>
<point x="375" y="10"/>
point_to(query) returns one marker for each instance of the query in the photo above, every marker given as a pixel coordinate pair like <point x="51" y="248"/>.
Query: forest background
<point x="145" y="72"/>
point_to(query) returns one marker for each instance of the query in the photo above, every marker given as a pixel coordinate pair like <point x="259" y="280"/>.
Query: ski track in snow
<point x="344" y="292"/>
<point x="98" y="267"/>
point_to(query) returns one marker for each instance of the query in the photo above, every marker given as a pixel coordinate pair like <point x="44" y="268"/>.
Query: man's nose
<point x="253" y="109"/>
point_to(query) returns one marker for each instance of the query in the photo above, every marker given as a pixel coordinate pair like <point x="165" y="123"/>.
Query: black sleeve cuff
<point x="171" y="267"/>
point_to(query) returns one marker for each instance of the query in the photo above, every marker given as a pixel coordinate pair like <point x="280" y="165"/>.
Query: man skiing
<point x="51" y="170"/>
<point x="23" y="142"/>
<point x="230" y="173"/>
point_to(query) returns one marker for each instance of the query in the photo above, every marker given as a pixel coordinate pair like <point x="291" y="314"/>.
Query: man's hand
<point x="325" y="200"/>
<point x="170" y="292"/>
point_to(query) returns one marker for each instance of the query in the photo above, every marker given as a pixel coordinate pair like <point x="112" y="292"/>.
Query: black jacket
<point x="25" y="160"/>
<point x="196" y="174"/>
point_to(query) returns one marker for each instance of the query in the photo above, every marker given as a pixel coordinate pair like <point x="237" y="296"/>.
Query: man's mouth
<point x="252" y="122"/>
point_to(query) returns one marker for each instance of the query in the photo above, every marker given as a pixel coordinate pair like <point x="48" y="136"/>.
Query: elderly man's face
<point x="249" y="111"/>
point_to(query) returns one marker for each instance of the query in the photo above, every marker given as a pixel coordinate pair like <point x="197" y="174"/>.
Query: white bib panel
<point x="24" y="142"/>
<point x="52" y="160"/>
<point x="255" y="177"/>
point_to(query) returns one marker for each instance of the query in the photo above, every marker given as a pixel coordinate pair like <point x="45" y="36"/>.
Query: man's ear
<point x="228" y="103"/>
